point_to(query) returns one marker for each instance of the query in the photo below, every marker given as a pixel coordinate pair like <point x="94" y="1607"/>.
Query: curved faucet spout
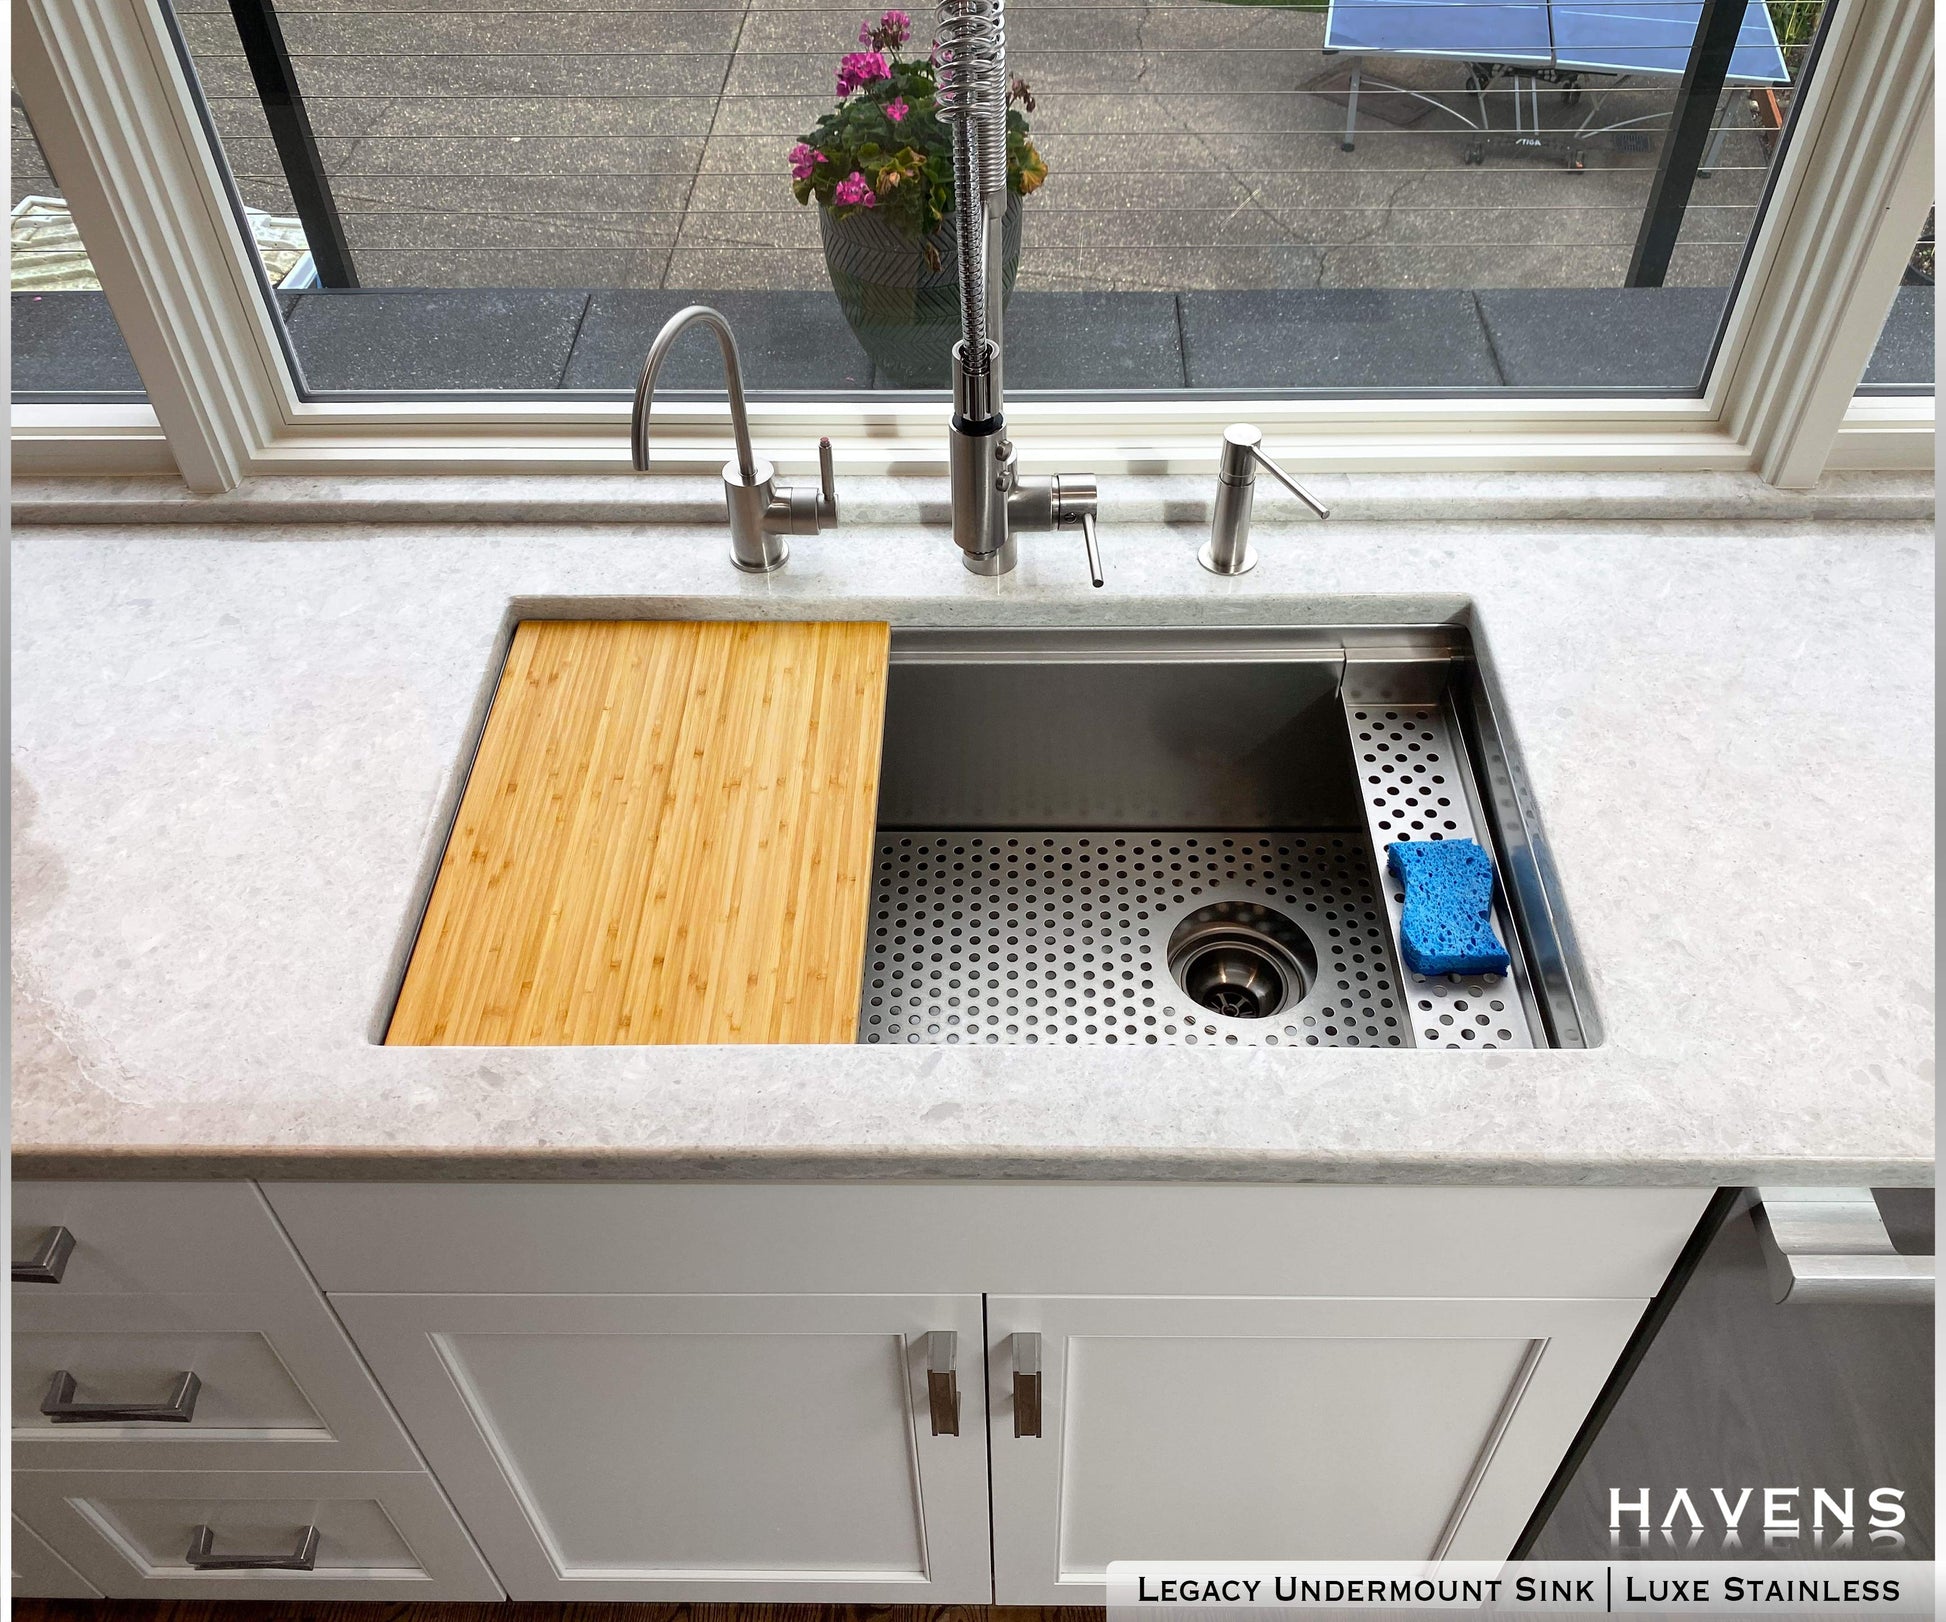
<point x="733" y="381"/>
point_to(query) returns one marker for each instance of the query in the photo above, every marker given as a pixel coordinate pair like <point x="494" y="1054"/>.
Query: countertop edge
<point x="56" y="1163"/>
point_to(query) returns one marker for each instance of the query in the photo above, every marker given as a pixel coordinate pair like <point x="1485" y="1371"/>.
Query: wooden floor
<point x="199" y="1610"/>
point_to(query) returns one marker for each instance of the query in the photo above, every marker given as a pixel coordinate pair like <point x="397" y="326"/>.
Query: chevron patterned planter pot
<point x="906" y="316"/>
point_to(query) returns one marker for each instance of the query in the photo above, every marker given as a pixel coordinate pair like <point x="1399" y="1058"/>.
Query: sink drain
<point x="1241" y="960"/>
<point x="1234" y="977"/>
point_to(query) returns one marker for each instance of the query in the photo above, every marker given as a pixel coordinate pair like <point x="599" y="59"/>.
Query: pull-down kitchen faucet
<point x="991" y="501"/>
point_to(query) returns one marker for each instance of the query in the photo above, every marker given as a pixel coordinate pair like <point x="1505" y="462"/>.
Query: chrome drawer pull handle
<point x="1830" y="1245"/>
<point x="49" y="1262"/>
<point x="1027" y="1385"/>
<point x="942" y="1382"/>
<point x="59" y="1404"/>
<point x="303" y="1558"/>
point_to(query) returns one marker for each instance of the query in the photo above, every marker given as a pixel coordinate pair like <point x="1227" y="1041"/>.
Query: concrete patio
<point x="1192" y="145"/>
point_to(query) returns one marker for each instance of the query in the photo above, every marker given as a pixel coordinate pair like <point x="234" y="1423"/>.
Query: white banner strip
<point x="1138" y="1589"/>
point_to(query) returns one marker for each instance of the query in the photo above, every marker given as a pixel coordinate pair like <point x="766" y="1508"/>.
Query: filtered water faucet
<point x="762" y="511"/>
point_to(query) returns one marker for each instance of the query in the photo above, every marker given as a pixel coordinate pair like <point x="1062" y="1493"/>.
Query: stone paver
<point x="1344" y="337"/>
<point x="1609" y="338"/>
<point x="484" y="338"/>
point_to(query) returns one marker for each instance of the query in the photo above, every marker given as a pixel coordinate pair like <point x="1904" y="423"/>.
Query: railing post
<point x="262" y="37"/>
<point x="1689" y="132"/>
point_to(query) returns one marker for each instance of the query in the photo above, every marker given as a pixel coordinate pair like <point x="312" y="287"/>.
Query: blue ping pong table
<point x="1531" y="42"/>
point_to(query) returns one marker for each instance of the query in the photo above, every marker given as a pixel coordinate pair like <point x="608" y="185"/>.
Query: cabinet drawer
<point x="139" y="1238"/>
<point x="40" y="1573"/>
<point x="277" y="1385"/>
<point x="380" y="1536"/>
<point x="998" y="1237"/>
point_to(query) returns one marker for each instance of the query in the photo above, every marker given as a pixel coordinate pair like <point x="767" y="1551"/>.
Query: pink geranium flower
<point x="896" y="109"/>
<point x="853" y="192"/>
<point x="803" y="160"/>
<point x="860" y="68"/>
<point x="888" y="33"/>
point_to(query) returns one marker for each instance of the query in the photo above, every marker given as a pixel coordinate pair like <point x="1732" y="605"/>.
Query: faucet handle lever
<point x="1094" y="551"/>
<point x="1289" y="483"/>
<point x="827" y="483"/>
<point x="1071" y="504"/>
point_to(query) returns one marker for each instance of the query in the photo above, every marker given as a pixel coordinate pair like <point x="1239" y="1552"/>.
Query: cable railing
<point x="611" y="129"/>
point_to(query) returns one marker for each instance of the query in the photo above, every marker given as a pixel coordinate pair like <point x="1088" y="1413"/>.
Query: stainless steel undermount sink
<point x="1176" y="836"/>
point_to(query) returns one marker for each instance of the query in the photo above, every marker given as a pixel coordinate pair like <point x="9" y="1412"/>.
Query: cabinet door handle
<point x="59" y="1404"/>
<point x="49" y="1261"/>
<point x="303" y="1558"/>
<point x="942" y="1381"/>
<point x="1027" y="1384"/>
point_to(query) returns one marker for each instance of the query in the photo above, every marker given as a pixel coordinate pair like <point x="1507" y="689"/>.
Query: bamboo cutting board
<point x="666" y="837"/>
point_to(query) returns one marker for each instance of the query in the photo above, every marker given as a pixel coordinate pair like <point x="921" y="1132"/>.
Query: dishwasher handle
<point x="1829" y="1245"/>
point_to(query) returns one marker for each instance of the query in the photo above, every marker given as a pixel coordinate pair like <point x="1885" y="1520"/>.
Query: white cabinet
<point x="723" y="1392"/>
<point x="1298" y="1429"/>
<point x="144" y="1238"/>
<point x="196" y="1377"/>
<point x="39" y="1573"/>
<point x="165" y="1280"/>
<point x="278" y="1386"/>
<point x="702" y="1447"/>
<point x="380" y="1535"/>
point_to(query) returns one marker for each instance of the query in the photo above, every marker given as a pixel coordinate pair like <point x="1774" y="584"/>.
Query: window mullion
<point x="1839" y="240"/>
<point x="112" y="111"/>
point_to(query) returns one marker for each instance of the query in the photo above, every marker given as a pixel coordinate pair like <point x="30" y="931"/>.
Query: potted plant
<point x="880" y="167"/>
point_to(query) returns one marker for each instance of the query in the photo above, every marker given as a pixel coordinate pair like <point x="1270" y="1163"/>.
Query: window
<point x="65" y="340"/>
<point x="1300" y="195"/>
<point x="436" y="140"/>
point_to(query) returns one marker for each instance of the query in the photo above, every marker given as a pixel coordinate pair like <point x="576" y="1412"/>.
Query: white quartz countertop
<point x="234" y="750"/>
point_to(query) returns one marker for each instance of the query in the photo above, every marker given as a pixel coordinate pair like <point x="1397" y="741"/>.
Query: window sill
<point x="1534" y="497"/>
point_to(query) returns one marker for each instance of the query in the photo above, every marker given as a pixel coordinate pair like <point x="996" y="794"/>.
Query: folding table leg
<point x="1351" y="111"/>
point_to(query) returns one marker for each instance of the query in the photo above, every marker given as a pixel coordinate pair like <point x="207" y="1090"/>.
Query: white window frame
<point x="115" y="114"/>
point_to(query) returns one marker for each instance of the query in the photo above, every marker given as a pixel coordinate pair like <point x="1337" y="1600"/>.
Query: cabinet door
<point x="1257" y="1429"/>
<point x="754" y="1447"/>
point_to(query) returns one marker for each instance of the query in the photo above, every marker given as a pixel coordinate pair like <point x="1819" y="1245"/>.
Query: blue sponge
<point x="1447" y="925"/>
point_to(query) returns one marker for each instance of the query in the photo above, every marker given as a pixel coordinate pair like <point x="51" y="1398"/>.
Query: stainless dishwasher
<point x="1778" y="1389"/>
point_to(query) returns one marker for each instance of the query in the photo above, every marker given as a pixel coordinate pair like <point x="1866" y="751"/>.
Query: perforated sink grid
<point x="1413" y="777"/>
<point x="1064" y="938"/>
